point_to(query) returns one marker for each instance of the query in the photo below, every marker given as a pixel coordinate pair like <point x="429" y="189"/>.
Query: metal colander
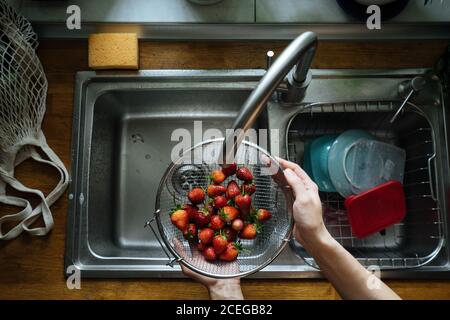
<point x="272" y="192"/>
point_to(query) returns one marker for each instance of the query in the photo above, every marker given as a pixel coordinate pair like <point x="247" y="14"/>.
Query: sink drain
<point x="185" y="177"/>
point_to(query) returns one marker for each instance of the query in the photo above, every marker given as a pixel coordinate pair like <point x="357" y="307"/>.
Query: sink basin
<point x="416" y="240"/>
<point x="122" y="148"/>
<point x="131" y="149"/>
<point x="122" y="145"/>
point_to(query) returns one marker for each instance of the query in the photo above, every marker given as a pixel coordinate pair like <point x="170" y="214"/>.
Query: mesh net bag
<point x="23" y="90"/>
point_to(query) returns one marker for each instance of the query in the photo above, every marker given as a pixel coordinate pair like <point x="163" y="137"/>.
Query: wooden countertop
<point x="32" y="268"/>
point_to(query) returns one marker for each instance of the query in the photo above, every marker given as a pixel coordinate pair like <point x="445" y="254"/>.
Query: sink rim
<point x="108" y="80"/>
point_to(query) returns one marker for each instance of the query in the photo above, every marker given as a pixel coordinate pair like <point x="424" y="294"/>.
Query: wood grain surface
<point x="32" y="268"/>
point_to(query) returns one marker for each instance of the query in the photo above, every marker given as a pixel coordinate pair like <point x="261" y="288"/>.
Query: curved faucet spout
<point x="296" y="58"/>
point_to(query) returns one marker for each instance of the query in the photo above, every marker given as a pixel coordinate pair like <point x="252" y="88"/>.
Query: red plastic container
<point x="376" y="209"/>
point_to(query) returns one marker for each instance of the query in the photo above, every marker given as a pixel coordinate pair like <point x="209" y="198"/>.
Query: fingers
<point x="195" y="253"/>
<point x="295" y="182"/>
<point x="188" y="272"/>
<point x="178" y="246"/>
<point x="287" y="164"/>
<point x="298" y="171"/>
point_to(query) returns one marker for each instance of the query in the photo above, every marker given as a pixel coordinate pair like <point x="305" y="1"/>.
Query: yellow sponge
<point x="113" y="51"/>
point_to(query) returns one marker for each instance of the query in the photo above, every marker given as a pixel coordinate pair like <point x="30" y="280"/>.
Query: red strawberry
<point x="220" y="202"/>
<point x="206" y="235"/>
<point x="230" y="234"/>
<point x="201" y="246"/>
<point x="202" y="218"/>
<point x="216" y="223"/>
<point x="263" y="215"/>
<point x="209" y="254"/>
<point x="220" y="243"/>
<point x="244" y="203"/>
<point x="229" y="213"/>
<point x="231" y="252"/>
<point x="210" y="207"/>
<point x="216" y="190"/>
<point x="249" y="231"/>
<point x="244" y="174"/>
<point x="229" y="169"/>
<point x="248" y="188"/>
<point x="217" y="176"/>
<point x="196" y="195"/>
<point x="191" y="232"/>
<point x="237" y="224"/>
<point x="179" y="218"/>
<point x="191" y="210"/>
<point x="232" y="190"/>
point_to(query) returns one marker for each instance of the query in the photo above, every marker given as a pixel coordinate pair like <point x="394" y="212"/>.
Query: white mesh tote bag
<point x="23" y="90"/>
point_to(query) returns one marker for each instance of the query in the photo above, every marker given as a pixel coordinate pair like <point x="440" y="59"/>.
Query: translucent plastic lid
<point x="369" y="163"/>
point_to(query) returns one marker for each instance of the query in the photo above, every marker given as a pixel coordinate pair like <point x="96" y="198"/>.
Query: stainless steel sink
<point x="122" y="145"/>
<point x="419" y="238"/>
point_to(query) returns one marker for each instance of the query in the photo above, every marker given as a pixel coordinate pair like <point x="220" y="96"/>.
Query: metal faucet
<point x="296" y="60"/>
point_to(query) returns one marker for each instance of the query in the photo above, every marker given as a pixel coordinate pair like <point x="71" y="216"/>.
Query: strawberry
<point x="230" y="234"/>
<point x="201" y="246"/>
<point x="249" y="231"/>
<point x="263" y="215"/>
<point x="231" y="252"/>
<point x="237" y="224"/>
<point x="179" y="218"/>
<point x="191" y="210"/>
<point x="210" y="207"/>
<point x="229" y="169"/>
<point x="232" y="190"/>
<point x="229" y="213"/>
<point x="196" y="195"/>
<point x="202" y="218"/>
<point x="244" y="203"/>
<point x="244" y="174"/>
<point x="220" y="202"/>
<point x="248" y="188"/>
<point x="217" y="176"/>
<point x="220" y="243"/>
<point x="216" y="190"/>
<point x="216" y="223"/>
<point x="209" y="254"/>
<point x="206" y="235"/>
<point x="191" y="232"/>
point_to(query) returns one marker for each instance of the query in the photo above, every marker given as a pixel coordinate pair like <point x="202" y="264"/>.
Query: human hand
<point x="219" y="289"/>
<point x="307" y="210"/>
<point x="346" y="274"/>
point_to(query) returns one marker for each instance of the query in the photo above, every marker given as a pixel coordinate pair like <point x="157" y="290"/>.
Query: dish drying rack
<point x="417" y="239"/>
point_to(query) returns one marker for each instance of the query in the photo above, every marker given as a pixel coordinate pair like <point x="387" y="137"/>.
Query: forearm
<point x="347" y="275"/>
<point x="225" y="290"/>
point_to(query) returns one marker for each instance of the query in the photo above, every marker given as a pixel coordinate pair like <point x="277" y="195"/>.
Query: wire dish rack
<point x="417" y="239"/>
